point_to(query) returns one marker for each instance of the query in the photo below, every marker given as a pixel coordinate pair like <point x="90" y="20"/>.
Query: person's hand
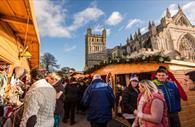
<point x="140" y="115"/>
<point x="135" y="112"/>
<point x="134" y="125"/>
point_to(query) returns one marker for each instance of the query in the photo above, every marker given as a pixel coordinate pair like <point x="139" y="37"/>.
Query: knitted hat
<point x="134" y="78"/>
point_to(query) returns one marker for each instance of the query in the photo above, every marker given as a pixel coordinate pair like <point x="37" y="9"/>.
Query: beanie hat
<point x="134" y="78"/>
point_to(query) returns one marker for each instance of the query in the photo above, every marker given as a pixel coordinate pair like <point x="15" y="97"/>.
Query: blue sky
<point x="63" y="23"/>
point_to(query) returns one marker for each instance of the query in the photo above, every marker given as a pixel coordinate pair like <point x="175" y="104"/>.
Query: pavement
<point x="81" y="121"/>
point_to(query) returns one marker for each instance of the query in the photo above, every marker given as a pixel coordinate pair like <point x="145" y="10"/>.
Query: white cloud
<point x="93" y="4"/>
<point x="98" y="28"/>
<point x="68" y="48"/>
<point x="133" y="22"/>
<point x="114" y="19"/>
<point x="83" y="17"/>
<point x="51" y="19"/>
<point x="173" y="8"/>
<point x="143" y="30"/>
<point x="189" y="10"/>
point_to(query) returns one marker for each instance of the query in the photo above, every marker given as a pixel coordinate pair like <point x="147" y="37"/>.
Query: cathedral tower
<point x="94" y="43"/>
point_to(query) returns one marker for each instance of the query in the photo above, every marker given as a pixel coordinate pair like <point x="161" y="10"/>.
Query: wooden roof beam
<point x="14" y="19"/>
<point x="23" y="34"/>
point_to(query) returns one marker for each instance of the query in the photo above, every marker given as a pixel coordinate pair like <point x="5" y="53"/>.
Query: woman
<point x="152" y="109"/>
<point x="56" y="81"/>
<point x="129" y="99"/>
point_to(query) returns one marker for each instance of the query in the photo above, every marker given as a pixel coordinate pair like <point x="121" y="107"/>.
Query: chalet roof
<point x="17" y="14"/>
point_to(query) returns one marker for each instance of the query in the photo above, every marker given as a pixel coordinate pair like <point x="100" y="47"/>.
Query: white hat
<point x="97" y="76"/>
<point x="134" y="78"/>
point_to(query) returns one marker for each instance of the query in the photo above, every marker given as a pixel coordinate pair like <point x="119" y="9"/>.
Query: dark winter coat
<point x="71" y="92"/>
<point x="129" y="100"/>
<point x="99" y="99"/>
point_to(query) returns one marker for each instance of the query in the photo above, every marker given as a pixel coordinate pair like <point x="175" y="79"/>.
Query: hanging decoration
<point x="155" y="58"/>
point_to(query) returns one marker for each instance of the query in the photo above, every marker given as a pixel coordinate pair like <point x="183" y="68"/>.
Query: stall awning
<point x="19" y="15"/>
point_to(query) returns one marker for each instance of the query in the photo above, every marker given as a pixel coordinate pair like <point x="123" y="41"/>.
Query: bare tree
<point x="49" y="62"/>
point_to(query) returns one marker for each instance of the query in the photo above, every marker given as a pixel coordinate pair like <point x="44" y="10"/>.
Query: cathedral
<point x="174" y="37"/>
<point x="95" y="48"/>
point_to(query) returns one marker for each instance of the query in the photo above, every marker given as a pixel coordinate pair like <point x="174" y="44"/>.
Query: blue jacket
<point x="99" y="99"/>
<point x="171" y="95"/>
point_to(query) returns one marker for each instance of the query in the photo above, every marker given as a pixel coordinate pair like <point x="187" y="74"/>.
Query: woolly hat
<point x="134" y="78"/>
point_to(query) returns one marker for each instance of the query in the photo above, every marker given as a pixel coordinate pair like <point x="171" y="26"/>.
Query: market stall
<point x="144" y="71"/>
<point x="19" y="38"/>
<point x="19" y="47"/>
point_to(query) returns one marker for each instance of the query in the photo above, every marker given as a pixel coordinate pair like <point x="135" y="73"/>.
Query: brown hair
<point x="191" y="75"/>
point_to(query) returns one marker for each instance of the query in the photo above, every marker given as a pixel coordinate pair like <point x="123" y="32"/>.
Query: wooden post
<point x="114" y="90"/>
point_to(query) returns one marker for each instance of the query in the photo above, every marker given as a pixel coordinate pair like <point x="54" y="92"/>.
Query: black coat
<point x="72" y="92"/>
<point x="129" y="100"/>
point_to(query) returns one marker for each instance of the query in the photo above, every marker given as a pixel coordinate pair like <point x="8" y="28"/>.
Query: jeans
<point x="56" y="120"/>
<point x="70" y="111"/>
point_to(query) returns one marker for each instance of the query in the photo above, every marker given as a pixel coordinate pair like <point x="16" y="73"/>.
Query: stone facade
<point x="95" y="50"/>
<point x="174" y="36"/>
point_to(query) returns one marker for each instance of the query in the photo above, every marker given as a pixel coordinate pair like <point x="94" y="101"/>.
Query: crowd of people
<point x="50" y="99"/>
<point x="153" y="103"/>
<point x="43" y="102"/>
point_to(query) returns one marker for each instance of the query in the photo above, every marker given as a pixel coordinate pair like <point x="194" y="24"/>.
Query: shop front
<point x="122" y="72"/>
<point x="19" y="44"/>
<point x="19" y="38"/>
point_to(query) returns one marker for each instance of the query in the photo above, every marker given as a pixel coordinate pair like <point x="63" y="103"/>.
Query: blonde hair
<point x="150" y="88"/>
<point x="54" y="75"/>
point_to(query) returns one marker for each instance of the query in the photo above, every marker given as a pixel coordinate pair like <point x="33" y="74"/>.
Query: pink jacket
<point x="147" y="110"/>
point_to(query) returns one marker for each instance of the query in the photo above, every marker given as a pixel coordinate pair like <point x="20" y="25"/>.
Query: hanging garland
<point x="155" y="58"/>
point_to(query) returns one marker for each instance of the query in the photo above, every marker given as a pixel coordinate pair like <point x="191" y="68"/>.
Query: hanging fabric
<point x="3" y="80"/>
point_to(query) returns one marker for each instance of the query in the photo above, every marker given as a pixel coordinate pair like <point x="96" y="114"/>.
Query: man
<point x="71" y="93"/>
<point x="39" y="103"/>
<point x="99" y="99"/>
<point x="190" y="80"/>
<point x="171" y="95"/>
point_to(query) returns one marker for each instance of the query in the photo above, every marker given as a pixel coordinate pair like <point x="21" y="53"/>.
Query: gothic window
<point x="128" y="49"/>
<point x="166" y="44"/>
<point x="148" y="44"/>
<point x="137" y="45"/>
<point x="182" y="22"/>
<point x="134" y="49"/>
<point x="187" y="47"/>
